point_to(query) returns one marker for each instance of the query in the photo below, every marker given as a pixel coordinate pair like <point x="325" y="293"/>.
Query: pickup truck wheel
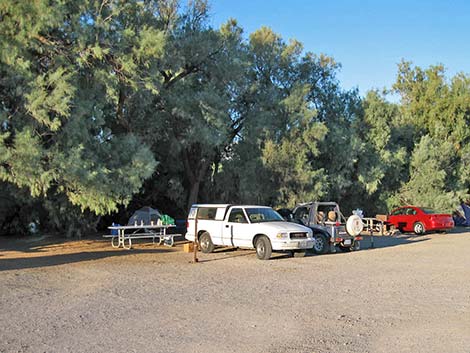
<point x="418" y="228"/>
<point x="263" y="248"/>
<point x="205" y="243"/>
<point x="321" y="243"/>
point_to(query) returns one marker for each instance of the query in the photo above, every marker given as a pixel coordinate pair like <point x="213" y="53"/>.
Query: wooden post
<point x="371" y="237"/>
<point x="196" y="242"/>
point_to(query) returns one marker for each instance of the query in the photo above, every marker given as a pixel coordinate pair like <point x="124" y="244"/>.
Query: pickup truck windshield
<point x="258" y="215"/>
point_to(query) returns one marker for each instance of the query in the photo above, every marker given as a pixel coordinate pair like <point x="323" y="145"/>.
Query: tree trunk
<point x="196" y="178"/>
<point x="195" y="168"/>
<point x="193" y="193"/>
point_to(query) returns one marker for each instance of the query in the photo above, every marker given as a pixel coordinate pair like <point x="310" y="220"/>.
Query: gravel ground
<point x="408" y="294"/>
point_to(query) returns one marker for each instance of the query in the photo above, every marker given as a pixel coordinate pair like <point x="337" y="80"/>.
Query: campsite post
<point x="371" y="237"/>
<point x="195" y="259"/>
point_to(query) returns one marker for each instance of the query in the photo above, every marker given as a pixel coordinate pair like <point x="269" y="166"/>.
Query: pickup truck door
<point x="236" y="229"/>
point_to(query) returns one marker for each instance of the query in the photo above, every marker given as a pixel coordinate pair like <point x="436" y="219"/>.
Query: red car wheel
<point x="418" y="228"/>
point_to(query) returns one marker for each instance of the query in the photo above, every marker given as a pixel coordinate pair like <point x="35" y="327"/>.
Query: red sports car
<point x="419" y="219"/>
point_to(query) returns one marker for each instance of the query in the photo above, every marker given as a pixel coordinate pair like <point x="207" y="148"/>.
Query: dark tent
<point x="144" y="216"/>
<point x="466" y="211"/>
<point x="462" y="215"/>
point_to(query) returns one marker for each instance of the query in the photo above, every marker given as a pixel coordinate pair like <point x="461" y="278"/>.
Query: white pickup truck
<point x="257" y="227"/>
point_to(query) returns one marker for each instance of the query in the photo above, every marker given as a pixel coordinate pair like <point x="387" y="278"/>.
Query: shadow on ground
<point x="39" y="244"/>
<point x="62" y="259"/>
<point x="48" y="250"/>
<point x="367" y="243"/>
<point x="42" y="244"/>
<point x="459" y="230"/>
<point x="406" y="238"/>
<point x="378" y="242"/>
<point x="225" y="254"/>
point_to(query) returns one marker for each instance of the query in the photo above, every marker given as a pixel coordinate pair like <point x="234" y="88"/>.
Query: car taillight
<point x="187" y="224"/>
<point x="358" y="238"/>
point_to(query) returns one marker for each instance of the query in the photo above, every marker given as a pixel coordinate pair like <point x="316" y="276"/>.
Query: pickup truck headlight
<point x="282" y="235"/>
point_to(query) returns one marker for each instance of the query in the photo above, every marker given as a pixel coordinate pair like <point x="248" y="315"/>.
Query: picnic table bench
<point x="140" y="232"/>
<point x="373" y="225"/>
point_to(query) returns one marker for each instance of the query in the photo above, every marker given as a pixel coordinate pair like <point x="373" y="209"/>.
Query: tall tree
<point x="193" y="117"/>
<point x="438" y="110"/>
<point x="276" y="159"/>
<point x="65" y="74"/>
<point x="384" y="158"/>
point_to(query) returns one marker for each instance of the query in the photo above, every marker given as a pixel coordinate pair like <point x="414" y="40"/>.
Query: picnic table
<point x="140" y="232"/>
<point x="373" y="225"/>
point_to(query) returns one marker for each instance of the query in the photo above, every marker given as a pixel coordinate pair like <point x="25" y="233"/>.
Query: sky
<point x="368" y="38"/>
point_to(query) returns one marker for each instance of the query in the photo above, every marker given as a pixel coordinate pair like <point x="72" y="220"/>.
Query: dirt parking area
<point x="408" y="294"/>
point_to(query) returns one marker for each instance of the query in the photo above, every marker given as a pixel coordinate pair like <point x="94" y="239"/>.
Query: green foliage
<point x="433" y="105"/>
<point x="384" y="157"/>
<point x="100" y="183"/>
<point x="438" y="112"/>
<point x="24" y="163"/>
<point x="276" y="157"/>
<point x="50" y="98"/>
<point x="290" y="159"/>
<point x="431" y="171"/>
<point x="65" y="76"/>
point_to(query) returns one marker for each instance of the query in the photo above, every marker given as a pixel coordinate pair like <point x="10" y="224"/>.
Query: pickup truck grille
<point x="298" y="235"/>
